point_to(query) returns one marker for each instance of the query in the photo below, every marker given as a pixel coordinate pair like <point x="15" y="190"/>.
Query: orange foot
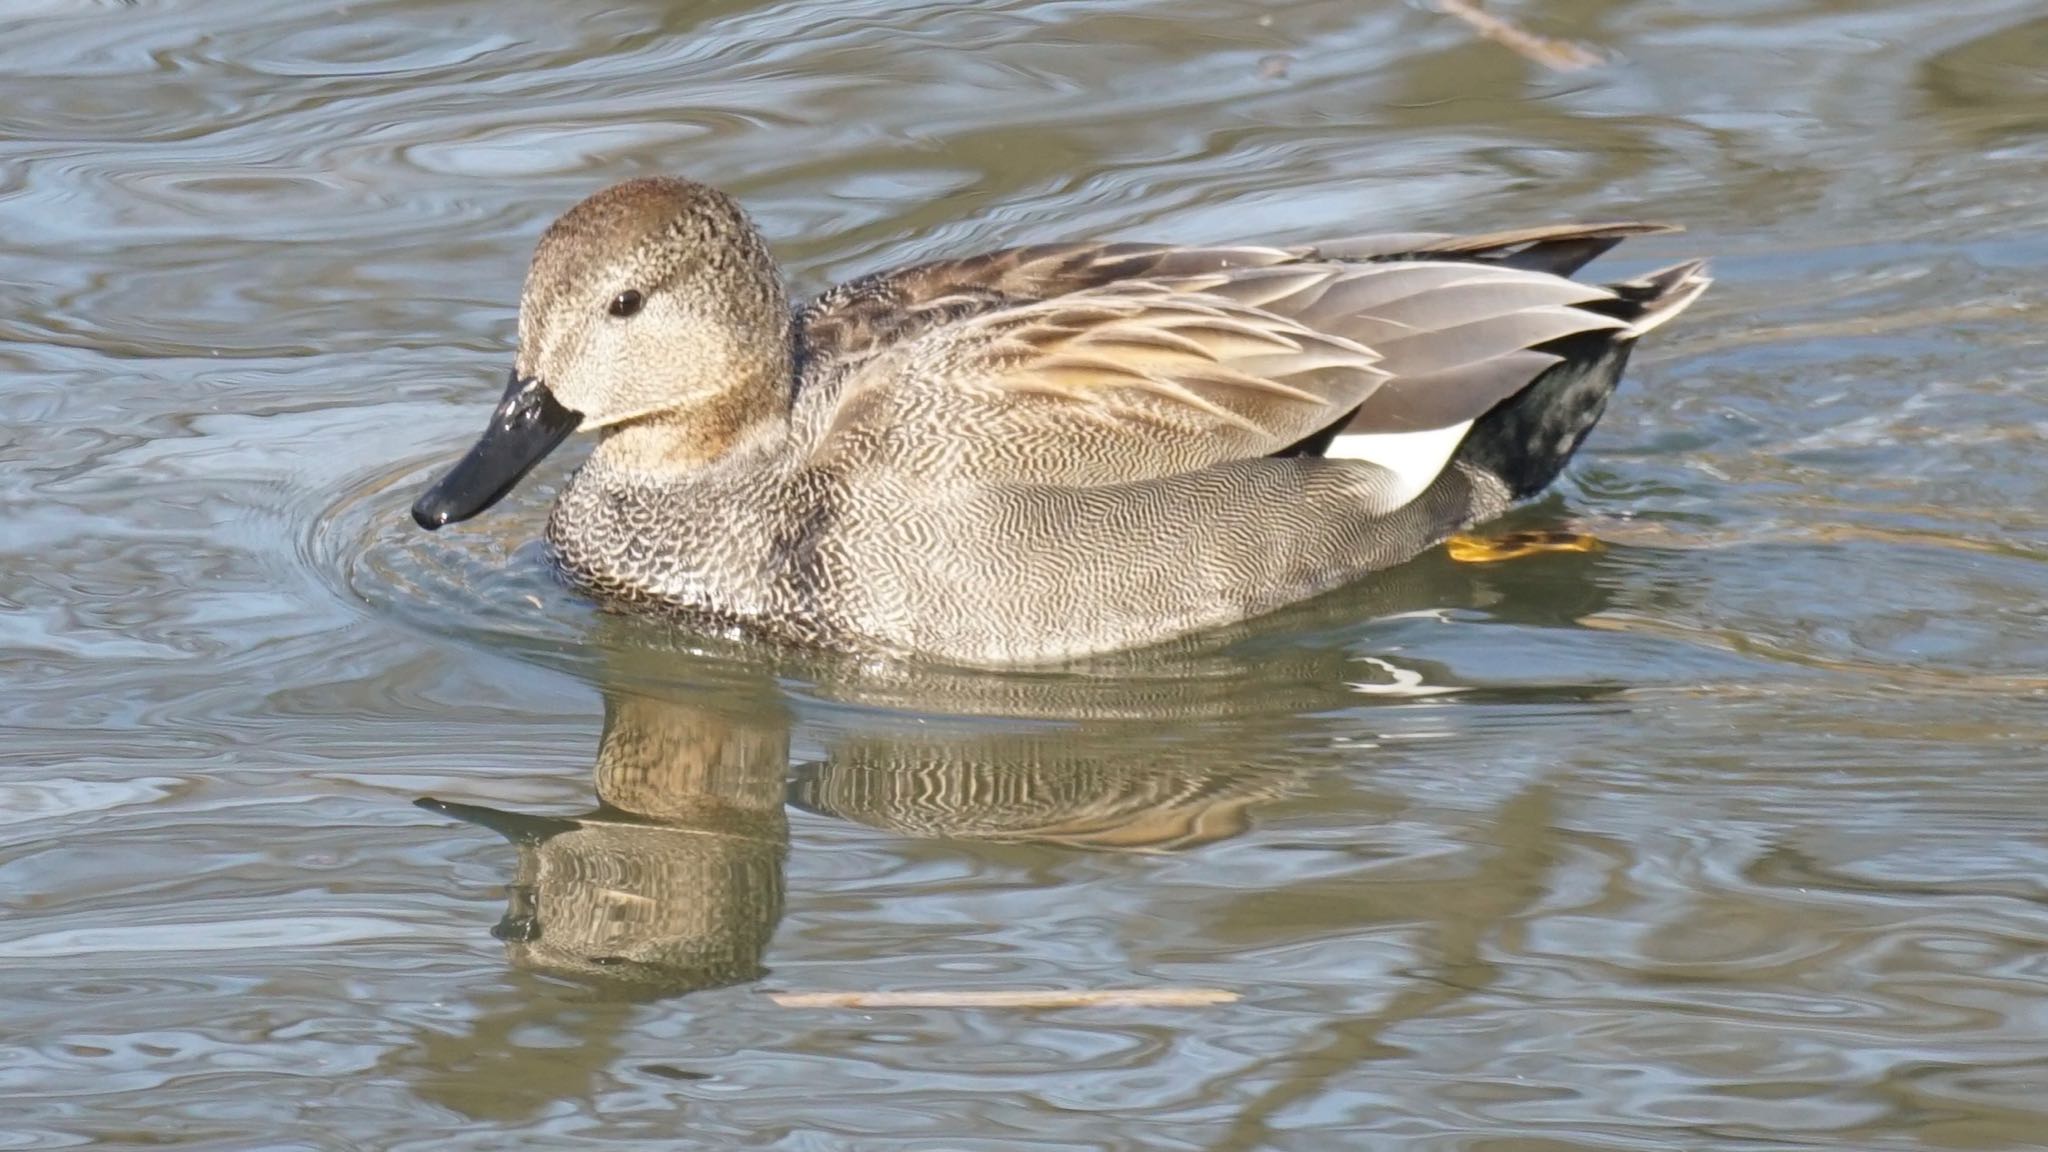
<point x="1515" y="545"/>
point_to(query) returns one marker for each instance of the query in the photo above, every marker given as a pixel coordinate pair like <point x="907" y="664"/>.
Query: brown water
<point x="1728" y="836"/>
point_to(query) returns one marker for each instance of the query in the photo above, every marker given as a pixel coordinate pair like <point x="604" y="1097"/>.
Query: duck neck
<point x="674" y="508"/>
<point x="690" y="438"/>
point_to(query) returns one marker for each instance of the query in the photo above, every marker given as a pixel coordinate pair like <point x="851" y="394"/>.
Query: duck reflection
<point x="1099" y="791"/>
<point x="674" y="881"/>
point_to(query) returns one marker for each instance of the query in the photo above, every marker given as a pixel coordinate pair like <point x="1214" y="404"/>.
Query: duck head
<point x="652" y="313"/>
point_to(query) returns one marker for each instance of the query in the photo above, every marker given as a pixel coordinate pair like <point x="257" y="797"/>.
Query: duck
<point x="1038" y="454"/>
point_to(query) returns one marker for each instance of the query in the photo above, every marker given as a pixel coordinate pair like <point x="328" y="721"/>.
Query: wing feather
<point x="1081" y="364"/>
<point x="1433" y="350"/>
<point x="1124" y="383"/>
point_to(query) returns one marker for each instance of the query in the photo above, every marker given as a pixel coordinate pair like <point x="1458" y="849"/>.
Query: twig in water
<point x="1558" y="55"/>
<point x="1116" y="997"/>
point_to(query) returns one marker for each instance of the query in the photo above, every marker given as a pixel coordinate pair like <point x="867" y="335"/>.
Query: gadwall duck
<point x="1039" y="453"/>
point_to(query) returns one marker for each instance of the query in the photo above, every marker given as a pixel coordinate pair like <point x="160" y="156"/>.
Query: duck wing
<point x="1141" y="378"/>
<point x="1134" y="379"/>
<point x="846" y="325"/>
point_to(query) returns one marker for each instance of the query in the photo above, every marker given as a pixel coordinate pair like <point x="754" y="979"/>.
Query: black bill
<point x="528" y="424"/>
<point x="517" y="827"/>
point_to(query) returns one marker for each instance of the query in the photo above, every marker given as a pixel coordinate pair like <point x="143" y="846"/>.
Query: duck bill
<point x="527" y="425"/>
<point x="518" y="827"/>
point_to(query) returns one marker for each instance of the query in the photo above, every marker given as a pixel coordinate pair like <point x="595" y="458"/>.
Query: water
<point x="1727" y="836"/>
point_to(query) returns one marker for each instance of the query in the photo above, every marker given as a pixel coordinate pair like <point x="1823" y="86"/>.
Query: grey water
<point x="1725" y="835"/>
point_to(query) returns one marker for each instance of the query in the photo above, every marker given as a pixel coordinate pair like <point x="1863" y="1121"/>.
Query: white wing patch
<point x="1415" y="458"/>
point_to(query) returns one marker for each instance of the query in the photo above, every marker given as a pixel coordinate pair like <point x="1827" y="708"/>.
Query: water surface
<point x="1726" y="836"/>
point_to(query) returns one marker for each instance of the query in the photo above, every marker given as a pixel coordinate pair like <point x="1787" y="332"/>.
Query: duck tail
<point x="1527" y="439"/>
<point x="1654" y="297"/>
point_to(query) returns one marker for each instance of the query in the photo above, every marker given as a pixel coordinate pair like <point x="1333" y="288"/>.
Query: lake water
<point x="1728" y="835"/>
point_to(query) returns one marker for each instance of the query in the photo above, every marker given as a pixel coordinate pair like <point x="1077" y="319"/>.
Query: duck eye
<point x="625" y="304"/>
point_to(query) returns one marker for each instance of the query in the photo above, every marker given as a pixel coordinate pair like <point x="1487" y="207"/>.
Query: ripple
<point x="235" y="935"/>
<point x="1723" y="836"/>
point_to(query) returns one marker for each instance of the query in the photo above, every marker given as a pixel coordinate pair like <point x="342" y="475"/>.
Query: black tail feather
<point x="1527" y="439"/>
